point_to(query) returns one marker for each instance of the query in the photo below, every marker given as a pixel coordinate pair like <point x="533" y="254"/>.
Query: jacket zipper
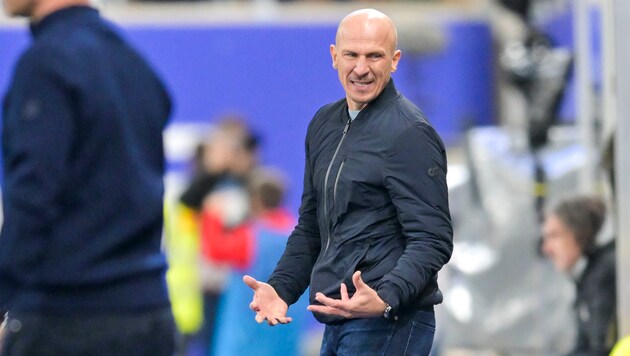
<point x="337" y="180"/>
<point x="343" y="136"/>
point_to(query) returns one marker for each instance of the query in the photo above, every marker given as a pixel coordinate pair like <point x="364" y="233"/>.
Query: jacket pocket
<point x="335" y="267"/>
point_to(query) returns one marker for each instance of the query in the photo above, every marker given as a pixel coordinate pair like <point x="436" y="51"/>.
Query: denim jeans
<point x="150" y="333"/>
<point x="411" y="334"/>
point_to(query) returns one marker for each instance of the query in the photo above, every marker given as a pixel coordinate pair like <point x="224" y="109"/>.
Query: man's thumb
<point x="251" y="282"/>
<point x="357" y="281"/>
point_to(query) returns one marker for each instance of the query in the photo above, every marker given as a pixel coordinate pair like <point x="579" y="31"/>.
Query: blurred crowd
<point x="229" y="221"/>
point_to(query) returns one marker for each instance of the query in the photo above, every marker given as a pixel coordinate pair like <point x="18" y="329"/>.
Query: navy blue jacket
<point x="83" y="164"/>
<point x="375" y="200"/>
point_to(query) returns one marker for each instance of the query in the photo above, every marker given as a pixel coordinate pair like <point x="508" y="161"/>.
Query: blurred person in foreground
<point x="252" y="247"/>
<point x="570" y="234"/>
<point x="374" y="227"/>
<point x="81" y="271"/>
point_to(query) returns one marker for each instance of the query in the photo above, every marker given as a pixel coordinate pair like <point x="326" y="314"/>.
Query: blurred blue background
<point x="277" y="76"/>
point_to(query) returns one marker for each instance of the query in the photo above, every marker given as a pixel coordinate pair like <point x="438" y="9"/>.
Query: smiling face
<point x="365" y="55"/>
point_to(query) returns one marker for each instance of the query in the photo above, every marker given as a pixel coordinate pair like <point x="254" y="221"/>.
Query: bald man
<point x="374" y="226"/>
<point x="81" y="270"/>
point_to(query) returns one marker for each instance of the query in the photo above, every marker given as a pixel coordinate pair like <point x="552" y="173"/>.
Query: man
<point x="81" y="272"/>
<point x="374" y="226"/>
<point x="569" y="239"/>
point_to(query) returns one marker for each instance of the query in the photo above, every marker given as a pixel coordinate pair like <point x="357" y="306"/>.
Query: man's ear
<point x="333" y="55"/>
<point x="395" y="60"/>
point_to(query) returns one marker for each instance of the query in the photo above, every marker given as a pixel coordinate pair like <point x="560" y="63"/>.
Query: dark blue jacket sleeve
<point x="293" y="272"/>
<point x="37" y="139"/>
<point x="415" y="177"/>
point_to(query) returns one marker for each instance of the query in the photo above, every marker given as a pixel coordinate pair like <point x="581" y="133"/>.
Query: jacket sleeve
<point x="38" y="130"/>
<point x="415" y="177"/>
<point x="596" y="335"/>
<point x="293" y="272"/>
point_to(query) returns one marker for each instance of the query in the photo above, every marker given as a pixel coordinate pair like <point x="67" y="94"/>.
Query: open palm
<point x="266" y="303"/>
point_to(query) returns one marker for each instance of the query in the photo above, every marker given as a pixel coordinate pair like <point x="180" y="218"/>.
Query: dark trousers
<point x="150" y="333"/>
<point x="411" y="334"/>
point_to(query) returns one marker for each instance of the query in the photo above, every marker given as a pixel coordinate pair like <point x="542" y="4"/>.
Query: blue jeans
<point x="411" y="334"/>
<point x="150" y="333"/>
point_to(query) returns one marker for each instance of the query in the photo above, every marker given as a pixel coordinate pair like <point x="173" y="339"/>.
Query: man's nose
<point x="361" y="68"/>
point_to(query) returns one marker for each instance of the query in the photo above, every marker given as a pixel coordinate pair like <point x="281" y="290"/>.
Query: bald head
<point x="365" y="55"/>
<point x="368" y="21"/>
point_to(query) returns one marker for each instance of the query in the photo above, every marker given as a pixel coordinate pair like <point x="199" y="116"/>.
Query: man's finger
<point x="278" y="320"/>
<point x="357" y="281"/>
<point x="324" y="309"/>
<point x="259" y="318"/>
<point x="325" y="300"/>
<point x="251" y="282"/>
<point x="254" y="306"/>
<point x="344" y="292"/>
<point x="328" y="310"/>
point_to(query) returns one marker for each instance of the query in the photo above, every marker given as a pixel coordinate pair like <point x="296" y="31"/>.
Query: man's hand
<point x="365" y="303"/>
<point x="267" y="304"/>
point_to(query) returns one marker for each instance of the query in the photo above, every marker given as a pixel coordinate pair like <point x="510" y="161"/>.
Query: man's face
<point x="19" y="7"/>
<point x="364" y="57"/>
<point x="559" y="244"/>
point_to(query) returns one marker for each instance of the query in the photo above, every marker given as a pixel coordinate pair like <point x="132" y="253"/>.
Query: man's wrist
<point x="387" y="313"/>
<point x="390" y="305"/>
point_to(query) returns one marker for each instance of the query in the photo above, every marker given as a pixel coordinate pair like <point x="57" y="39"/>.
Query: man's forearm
<point x="292" y="274"/>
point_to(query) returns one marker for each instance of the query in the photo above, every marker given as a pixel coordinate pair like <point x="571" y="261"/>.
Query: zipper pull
<point x="345" y="130"/>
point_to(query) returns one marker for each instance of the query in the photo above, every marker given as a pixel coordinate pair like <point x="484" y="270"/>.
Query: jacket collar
<point x="67" y="14"/>
<point x="388" y="94"/>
